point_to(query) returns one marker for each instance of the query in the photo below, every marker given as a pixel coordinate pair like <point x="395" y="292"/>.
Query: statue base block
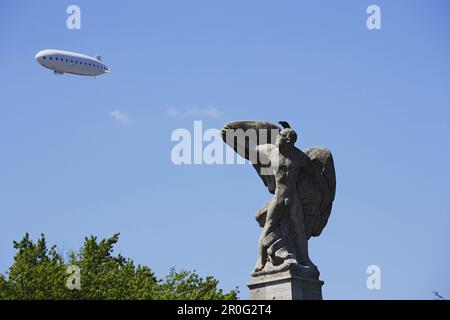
<point x="296" y="283"/>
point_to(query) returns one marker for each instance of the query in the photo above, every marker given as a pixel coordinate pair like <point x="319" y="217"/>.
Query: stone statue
<point x="303" y="185"/>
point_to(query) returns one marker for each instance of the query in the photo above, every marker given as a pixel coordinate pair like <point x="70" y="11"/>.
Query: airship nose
<point x="39" y="56"/>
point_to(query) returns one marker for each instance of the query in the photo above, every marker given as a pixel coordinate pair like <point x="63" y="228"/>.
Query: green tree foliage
<point x="41" y="273"/>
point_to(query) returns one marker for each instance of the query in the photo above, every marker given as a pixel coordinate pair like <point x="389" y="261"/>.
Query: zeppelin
<point x="71" y="62"/>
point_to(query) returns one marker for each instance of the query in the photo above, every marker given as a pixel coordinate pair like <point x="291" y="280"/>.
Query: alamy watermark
<point x="74" y="19"/>
<point x="373" y="21"/>
<point x="207" y="146"/>
<point x="374" y="278"/>
<point x="74" y="280"/>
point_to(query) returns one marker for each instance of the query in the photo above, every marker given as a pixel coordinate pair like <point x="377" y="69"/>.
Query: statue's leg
<point x="298" y="221"/>
<point x="272" y="219"/>
<point x="262" y="254"/>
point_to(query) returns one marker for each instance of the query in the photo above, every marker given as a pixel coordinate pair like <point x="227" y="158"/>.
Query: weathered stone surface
<point x="292" y="284"/>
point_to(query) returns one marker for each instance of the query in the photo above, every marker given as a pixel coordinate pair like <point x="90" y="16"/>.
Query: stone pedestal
<point x="296" y="283"/>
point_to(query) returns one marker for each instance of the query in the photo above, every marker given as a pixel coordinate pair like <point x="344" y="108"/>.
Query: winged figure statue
<point x="303" y="184"/>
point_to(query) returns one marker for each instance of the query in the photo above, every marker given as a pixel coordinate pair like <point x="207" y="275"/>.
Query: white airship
<point x="71" y="62"/>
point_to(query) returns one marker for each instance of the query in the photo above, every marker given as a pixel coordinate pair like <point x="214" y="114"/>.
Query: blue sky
<point x="378" y="99"/>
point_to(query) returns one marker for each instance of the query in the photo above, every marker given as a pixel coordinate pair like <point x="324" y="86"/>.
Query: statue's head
<point x="286" y="137"/>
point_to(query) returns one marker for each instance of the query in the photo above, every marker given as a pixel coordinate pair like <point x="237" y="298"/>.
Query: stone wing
<point x="244" y="136"/>
<point x="317" y="190"/>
